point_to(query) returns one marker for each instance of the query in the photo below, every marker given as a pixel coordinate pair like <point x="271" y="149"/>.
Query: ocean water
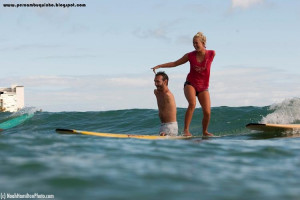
<point x="240" y="164"/>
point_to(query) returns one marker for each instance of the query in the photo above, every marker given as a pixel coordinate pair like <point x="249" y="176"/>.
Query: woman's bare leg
<point x="190" y="95"/>
<point x="204" y="100"/>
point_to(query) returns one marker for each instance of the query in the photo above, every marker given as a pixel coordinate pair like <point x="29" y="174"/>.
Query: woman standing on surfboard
<point x="197" y="81"/>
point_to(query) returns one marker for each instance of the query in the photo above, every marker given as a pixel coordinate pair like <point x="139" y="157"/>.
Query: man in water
<point x="166" y="105"/>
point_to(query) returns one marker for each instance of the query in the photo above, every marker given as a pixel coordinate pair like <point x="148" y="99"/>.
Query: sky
<point x="99" y="57"/>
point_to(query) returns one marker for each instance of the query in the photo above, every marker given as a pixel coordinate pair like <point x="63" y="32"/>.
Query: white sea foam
<point x="25" y="110"/>
<point x="286" y="112"/>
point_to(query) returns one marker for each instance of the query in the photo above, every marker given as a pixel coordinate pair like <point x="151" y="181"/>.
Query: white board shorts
<point x="170" y="128"/>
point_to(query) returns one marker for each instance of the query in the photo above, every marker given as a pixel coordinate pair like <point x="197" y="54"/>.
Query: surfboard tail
<point x="255" y="124"/>
<point x="65" y="131"/>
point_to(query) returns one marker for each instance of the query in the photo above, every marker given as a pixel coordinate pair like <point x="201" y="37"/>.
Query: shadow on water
<point x="253" y="135"/>
<point x="270" y="135"/>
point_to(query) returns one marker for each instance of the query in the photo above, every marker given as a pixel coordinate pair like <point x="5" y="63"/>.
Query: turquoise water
<point x="15" y="121"/>
<point x="238" y="165"/>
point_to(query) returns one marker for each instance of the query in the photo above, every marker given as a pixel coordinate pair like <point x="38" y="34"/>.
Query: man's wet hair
<point x="164" y="75"/>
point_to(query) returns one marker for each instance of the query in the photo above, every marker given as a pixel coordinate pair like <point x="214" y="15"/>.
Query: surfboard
<point x="15" y="121"/>
<point x="273" y="127"/>
<point x="118" y="135"/>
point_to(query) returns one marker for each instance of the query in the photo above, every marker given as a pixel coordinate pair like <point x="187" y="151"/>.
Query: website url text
<point x="44" y="5"/>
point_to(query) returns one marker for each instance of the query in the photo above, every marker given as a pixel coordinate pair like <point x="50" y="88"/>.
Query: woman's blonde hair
<point x="202" y="37"/>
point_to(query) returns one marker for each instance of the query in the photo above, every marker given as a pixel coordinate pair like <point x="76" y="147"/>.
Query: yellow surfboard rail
<point x="118" y="135"/>
<point x="272" y="127"/>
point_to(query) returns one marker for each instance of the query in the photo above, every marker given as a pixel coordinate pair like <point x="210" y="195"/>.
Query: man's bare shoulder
<point x="169" y="94"/>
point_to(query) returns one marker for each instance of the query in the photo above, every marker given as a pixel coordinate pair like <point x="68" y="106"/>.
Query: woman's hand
<point x="155" y="68"/>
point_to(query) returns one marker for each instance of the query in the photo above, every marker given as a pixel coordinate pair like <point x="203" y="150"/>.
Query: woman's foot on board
<point x="187" y="133"/>
<point x="207" y="134"/>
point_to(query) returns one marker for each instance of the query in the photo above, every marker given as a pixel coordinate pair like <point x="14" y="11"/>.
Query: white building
<point x="11" y="99"/>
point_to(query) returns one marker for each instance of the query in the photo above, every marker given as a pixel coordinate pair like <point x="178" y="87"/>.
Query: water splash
<point x="26" y="110"/>
<point x="286" y="112"/>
